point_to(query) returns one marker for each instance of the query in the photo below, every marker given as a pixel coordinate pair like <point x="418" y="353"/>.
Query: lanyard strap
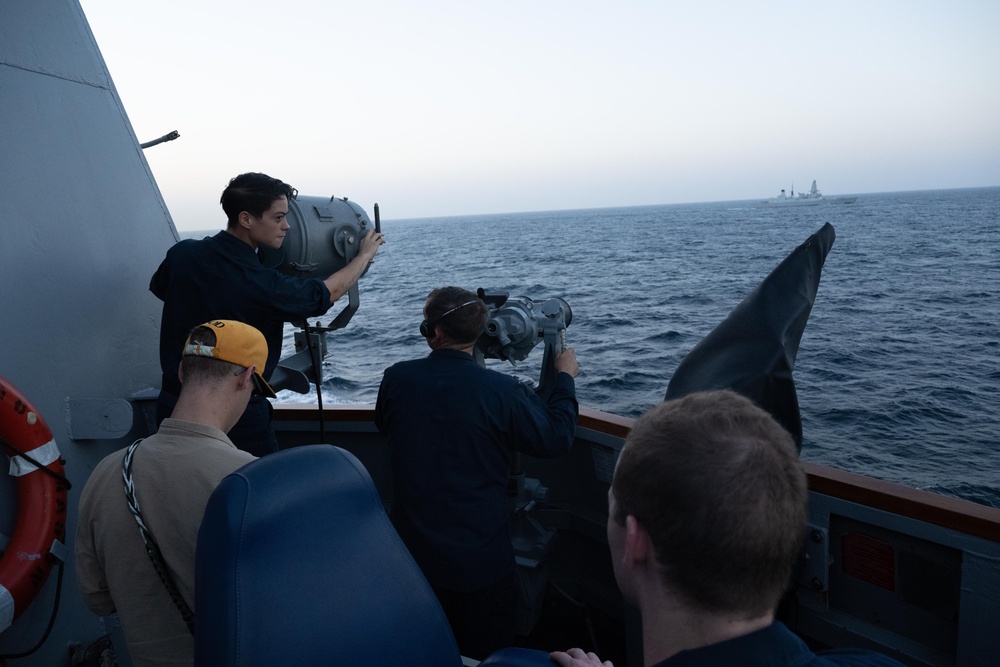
<point x="147" y="537"/>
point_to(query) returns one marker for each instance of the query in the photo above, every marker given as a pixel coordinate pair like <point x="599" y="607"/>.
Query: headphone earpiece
<point x="427" y="328"/>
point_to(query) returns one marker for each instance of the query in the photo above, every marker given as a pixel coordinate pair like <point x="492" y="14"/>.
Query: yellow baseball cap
<point x="237" y="343"/>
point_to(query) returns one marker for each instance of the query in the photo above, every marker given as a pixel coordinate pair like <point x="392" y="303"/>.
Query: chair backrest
<point x="298" y="564"/>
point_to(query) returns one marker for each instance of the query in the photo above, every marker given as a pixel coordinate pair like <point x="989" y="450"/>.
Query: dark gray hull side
<point x="84" y="226"/>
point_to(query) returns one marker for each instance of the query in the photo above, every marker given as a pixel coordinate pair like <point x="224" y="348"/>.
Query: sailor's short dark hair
<point x="466" y="322"/>
<point x="254" y="193"/>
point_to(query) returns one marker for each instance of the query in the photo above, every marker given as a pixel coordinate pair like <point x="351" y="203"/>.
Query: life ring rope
<point x="40" y="457"/>
<point x="22" y="463"/>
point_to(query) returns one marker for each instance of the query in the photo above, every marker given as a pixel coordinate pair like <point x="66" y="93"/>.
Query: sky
<point x="444" y="107"/>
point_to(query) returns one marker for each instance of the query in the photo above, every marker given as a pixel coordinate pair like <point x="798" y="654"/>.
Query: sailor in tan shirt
<point x="173" y="474"/>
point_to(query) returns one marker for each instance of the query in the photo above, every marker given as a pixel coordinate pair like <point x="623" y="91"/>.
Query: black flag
<point x="753" y="350"/>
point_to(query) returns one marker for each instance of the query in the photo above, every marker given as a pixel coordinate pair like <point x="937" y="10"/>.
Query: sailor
<point x="221" y="277"/>
<point x="452" y="426"/>
<point x="706" y="516"/>
<point x="169" y="478"/>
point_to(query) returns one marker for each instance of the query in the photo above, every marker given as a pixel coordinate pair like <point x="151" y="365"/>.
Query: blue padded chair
<point x="298" y="564"/>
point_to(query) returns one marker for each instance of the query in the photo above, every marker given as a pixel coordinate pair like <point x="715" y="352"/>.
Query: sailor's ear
<point x="246" y="378"/>
<point x="245" y="219"/>
<point x="638" y="546"/>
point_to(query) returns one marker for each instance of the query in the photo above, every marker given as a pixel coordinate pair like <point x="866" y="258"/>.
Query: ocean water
<point x="898" y="371"/>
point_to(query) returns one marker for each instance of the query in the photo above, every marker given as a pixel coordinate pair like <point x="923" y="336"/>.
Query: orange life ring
<point x="41" y="504"/>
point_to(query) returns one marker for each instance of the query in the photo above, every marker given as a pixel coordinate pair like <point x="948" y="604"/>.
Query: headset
<point x="427" y="328"/>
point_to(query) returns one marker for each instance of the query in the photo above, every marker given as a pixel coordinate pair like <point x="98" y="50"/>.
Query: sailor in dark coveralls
<point x="452" y="426"/>
<point x="221" y="277"/>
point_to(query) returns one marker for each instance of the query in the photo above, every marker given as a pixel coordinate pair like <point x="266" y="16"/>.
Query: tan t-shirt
<point x="174" y="472"/>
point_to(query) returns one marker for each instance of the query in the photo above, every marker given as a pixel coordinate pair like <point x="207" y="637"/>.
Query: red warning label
<point x="869" y="559"/>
